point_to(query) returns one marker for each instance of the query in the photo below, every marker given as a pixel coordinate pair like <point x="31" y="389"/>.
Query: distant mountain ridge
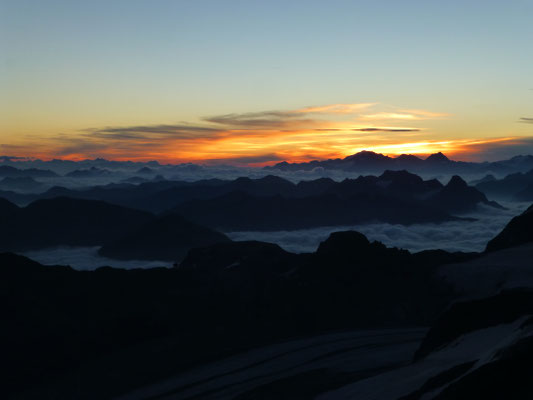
<point x="369" y="161"/>
<point x="128" y="233"/>
<point x="517" y="186"/>
<point x="160" y="196"/>
<point x="394" y="197"/>
<point x="7" y="171"/>
<point x="364" y="161"/>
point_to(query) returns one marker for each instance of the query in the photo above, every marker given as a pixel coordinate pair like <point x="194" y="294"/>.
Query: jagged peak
<point x="456" y="182"/>
<point x="366" y="155"/>
<point x="408" y="157"/>
<point x="342" y="241"/>
<point x="391" y="175"/>
<point x="437" y="157"/>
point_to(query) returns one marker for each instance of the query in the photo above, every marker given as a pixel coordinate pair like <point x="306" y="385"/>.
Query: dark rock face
<point x="7" y="208"/>
<point x="166" y="238"/>
<point x="458" y="196"/>
<point x="394" y="197"/>
<point x="507" y="374"/>
<point x="240" y="211"/>
<point x="64" y="221"/>
<point x="508" y="378"/>
<point x="92" y="172"/>
<point x="223" y="298"/>
<point x="470" y="316"/>
<point x="517" y="232"/>
<point x="350" y="242"/>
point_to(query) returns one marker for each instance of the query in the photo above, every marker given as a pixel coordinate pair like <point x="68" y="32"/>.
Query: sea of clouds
<point x="451" y="236"/>
<point x="86" y="258"/>
<point x="465" y="236"/>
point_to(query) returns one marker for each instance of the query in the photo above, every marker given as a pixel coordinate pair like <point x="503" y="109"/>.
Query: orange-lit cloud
<point x="405" y="115"/>
<point x="337" y="108"/>
<point x="259" y="138"/>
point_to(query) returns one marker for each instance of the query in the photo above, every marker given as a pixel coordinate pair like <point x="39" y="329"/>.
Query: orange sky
<point x="263" y="138"/>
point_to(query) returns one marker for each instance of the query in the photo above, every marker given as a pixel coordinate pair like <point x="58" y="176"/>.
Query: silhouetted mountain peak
<point x="232" y="254"/>
<point x="517" y="232"/>
<point x="342" y="242"/>
<point x="456" y="183"/>
<point x="91" y="172"/>
<point x="145" y="171"/>
<point x="366" y="155"/>
<point x="7" y="208"/>
<point x="272" y="179"/>
<point x="166" y="238"/>
<point x="403" y="177"/>
<point x="437" y="158"/>
<point x="408" y="157"/>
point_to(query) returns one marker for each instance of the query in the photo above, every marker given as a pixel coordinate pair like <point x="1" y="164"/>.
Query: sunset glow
<point x="148" y="84"/>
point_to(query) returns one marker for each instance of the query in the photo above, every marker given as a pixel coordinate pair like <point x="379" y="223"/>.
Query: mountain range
<point x="124" y="232"/>
<point x="272" y="202"/>
<point x="109" y="331"/>
<point x="368" y="161"/>
<point x="362" y="162"/>
<point x="516" y="186"/>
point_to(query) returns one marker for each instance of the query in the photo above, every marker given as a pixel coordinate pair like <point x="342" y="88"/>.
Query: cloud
<point x="86" y="259"/>
<point x="336" y="108"/>
<point x="296" y="135"/>
<point x="246" y="160"/>
<point x="151" y="131"/>
<point x="497" y="148"/>
<point x="290" y="118"/>
<point x="425" y="113"/>
<point x="386" y="130"/>
<point x="526" y="120"/>
<point x="267" y="119"/>
<point x="411" y="115"/>
<point x="451" y="236"/>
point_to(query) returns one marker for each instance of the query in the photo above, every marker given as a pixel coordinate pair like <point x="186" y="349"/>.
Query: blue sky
<point x="69" y="66"/>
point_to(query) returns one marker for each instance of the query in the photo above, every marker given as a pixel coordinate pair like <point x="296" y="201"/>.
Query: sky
<point x="255" y="82"/>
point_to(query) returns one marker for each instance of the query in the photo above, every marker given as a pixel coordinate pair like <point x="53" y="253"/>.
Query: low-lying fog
<point x="86" y="258"/>
<point x="451" y="236"/>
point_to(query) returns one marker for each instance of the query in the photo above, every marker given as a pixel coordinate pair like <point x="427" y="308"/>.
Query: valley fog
<point x="466" y="236"/>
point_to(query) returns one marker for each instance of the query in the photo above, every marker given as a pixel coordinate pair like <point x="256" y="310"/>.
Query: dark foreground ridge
<point x="517" y="232"/>
<point x="99" y="334"/>
<point x="125" y="233"/>
<point x="222" y="299"/>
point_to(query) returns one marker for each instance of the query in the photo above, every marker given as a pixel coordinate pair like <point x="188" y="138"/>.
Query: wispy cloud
<point x="151" y="131"/>
<point x="313" y="132"/>
<point x="526" y="120"/>
<point x="262" y="120"/>
<point x="290" y="118"/>
<point x="386" y="130"/>
<point x="497" y="148"/>
<point x="412" y="115"/>
<point x="336" y="108"/>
